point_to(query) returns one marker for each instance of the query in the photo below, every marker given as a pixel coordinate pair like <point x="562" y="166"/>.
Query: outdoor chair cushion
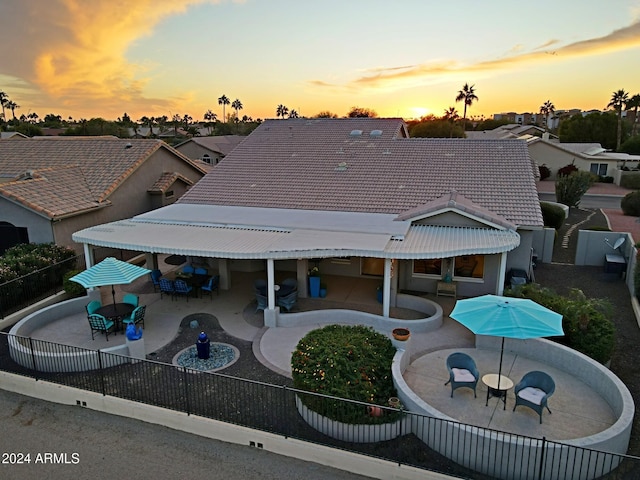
<point x="462" y="375"/>
<point x="532" y="394"/>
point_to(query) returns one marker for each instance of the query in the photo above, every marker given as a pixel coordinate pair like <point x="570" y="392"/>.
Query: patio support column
<point x="271" y="293"/>
<point x="302" y="270"/>
<point x="88" y="256"/>
<point x="225" y="274"/>
<point x="151" y="260"/>
<point x="386" y="288"/>
<point x="501" y="275"/>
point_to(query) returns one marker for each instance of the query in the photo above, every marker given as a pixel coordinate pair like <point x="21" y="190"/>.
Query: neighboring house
<point x="589" y="157"/>
<point x="12" y="135"/>
<point x="503" y="132"/>
<point x="357" y="198"/>
<point x="209" y="149"/>
<point x="52" y="187"/>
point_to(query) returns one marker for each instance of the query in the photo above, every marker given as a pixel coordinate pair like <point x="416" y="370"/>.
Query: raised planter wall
<point x="485" y="443"/>
<point x="43" y="360"/>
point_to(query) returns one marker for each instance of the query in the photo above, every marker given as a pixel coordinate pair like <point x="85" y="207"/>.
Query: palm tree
<point x="468" y="95"/>
<point x="633" y="103"/>
<point x="11" y="105"/>
<point x="618" y="99"/>
<point x="3" y="101"/>
<point x="237" y="105"/>
<point x="281" y="111"/>
<point x="210" y="117"/>
<point x="293" y="114"/>
<point x="547" y="109"/>
<point x="451" y="114"/>
<point x="224" y="101"/>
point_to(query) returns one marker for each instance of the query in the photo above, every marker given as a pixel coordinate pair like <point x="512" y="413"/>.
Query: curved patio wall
<point x="486" y="443"/>
<point x="382" y="324"/>
<point x="43" y="360"/>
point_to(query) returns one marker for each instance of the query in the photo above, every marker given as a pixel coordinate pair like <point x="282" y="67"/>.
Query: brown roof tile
<point x="365" y="165"/>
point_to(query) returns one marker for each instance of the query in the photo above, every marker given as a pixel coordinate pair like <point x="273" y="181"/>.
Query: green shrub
<point x="553" y="215"/>
<point x="630" y="181"/>
<point x="630" y="204"/>
<point x="350" y="362"/>
<point x="585" y="321"/>
<point x="71" y="287"/>
<point x="570" y="188"/>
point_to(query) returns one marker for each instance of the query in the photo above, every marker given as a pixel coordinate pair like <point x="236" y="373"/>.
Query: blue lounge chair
<point x="167" y="287"/>
<point x="155" y="279"/>
<point x="92" y="306"/>
<point x="534" y="390"/>
<point x="131" y="299"/>
<point x="100" y="324"/>
<point x="209" y="287"/>
<point x="462" y="372"/>
<point x="181" y="288"/>
<point x="137" y="316"/>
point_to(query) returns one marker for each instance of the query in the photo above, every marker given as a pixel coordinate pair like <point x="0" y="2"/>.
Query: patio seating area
<point x="577" y="410"/>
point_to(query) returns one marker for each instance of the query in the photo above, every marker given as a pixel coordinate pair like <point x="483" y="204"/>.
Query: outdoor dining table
<point x="116" y="312"/>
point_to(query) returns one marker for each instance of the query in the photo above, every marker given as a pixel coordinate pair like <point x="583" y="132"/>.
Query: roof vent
<point x="342" y="167"/>
<point x="128" y="145"/>
<point x="355" y="133"/>
<point x="375" y="133"/>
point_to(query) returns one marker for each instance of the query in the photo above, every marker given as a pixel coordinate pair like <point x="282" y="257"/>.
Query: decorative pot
<point x="394" y="402"/>
<point x="374" y="411"/>
<point x="401" y="334"/>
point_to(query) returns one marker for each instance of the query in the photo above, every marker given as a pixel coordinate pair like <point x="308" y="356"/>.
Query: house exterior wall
<point x="130" y="198"/>
<point x="195" y="152"/>
<point x="39" y="228"/>
<point x="554" y="159"/>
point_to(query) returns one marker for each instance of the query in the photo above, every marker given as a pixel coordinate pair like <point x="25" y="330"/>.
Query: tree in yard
<point x="224" y="101"/>
<point x="571" y="188"/>
<point x="237" y="105"/>
<point x="210" y="117"/>
<point x="293" y="114"/>
<point x="11" y="105"/>
<point x="618" y="99"/>
<point x="4" y="98"/>
<point x="547" y="109"/>
<point x="633" y="103"/>
<point x="451" y="115"/>
<point x="282" y="111"/>
<point x="326" y="114"/>
<point x="360" y="112"/>
<point x="468" y="96"/>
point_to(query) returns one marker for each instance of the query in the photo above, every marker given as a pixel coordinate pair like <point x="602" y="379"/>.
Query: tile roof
<point x="365" y="165"/>
<point x="71" y="174"/>
<point x="166" y="180"/>
<point x="223" y="144"/>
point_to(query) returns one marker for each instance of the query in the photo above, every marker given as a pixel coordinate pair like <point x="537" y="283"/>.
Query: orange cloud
<point x="74" y="50"/>
<point x="627" y="37"/>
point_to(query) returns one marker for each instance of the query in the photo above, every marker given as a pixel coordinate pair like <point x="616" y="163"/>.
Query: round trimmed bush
<point x="630" y="204"/>
<point x="544" y="172"/>
<point x="553" y="215"/>
<point x="348" y="362"/>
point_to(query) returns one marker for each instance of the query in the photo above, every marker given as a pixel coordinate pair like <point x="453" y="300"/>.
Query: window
<point x="599" y="169"/>
<point x="468" y="266"/>
<point x="168" y="194"/>
<point x="206" y="158"/>
<point x="431" y="266"/>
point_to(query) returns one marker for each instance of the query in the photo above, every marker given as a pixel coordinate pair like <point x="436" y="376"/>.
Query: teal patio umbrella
<point x="507" y="317"/>
<point x="110" y="271"/>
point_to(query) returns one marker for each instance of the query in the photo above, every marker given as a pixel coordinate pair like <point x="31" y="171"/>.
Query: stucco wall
<point x="555" y="158"/>
<point x="39" y="228"/>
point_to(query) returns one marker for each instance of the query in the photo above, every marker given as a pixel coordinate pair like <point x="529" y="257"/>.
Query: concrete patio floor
<point x="577" y="410"/>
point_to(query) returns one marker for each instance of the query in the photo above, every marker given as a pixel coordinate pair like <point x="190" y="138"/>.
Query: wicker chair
<point x="534" y="390"/>
<point x="462" y="372"/>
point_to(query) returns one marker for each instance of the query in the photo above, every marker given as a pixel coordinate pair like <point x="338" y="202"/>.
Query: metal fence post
<point x="186" y="391"/>
<point x="100" y="367"/>
<point x="33" y="359"/>
<point x="542" y="455"/>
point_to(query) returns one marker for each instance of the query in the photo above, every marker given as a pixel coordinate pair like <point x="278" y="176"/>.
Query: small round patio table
<point x="497" y="388"/>
<point x="116" y="312"/>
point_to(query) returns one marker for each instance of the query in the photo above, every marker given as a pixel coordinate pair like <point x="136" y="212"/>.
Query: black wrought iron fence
<point x="21" y="292"/>
<point x="402" y="437"/>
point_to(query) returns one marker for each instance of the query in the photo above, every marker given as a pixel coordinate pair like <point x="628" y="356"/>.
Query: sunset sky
<point x="406" y="58"/>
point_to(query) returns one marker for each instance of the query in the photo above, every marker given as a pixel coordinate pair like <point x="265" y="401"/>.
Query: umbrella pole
<point x="113" y="294"/>
<point x="500" y="367"/>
